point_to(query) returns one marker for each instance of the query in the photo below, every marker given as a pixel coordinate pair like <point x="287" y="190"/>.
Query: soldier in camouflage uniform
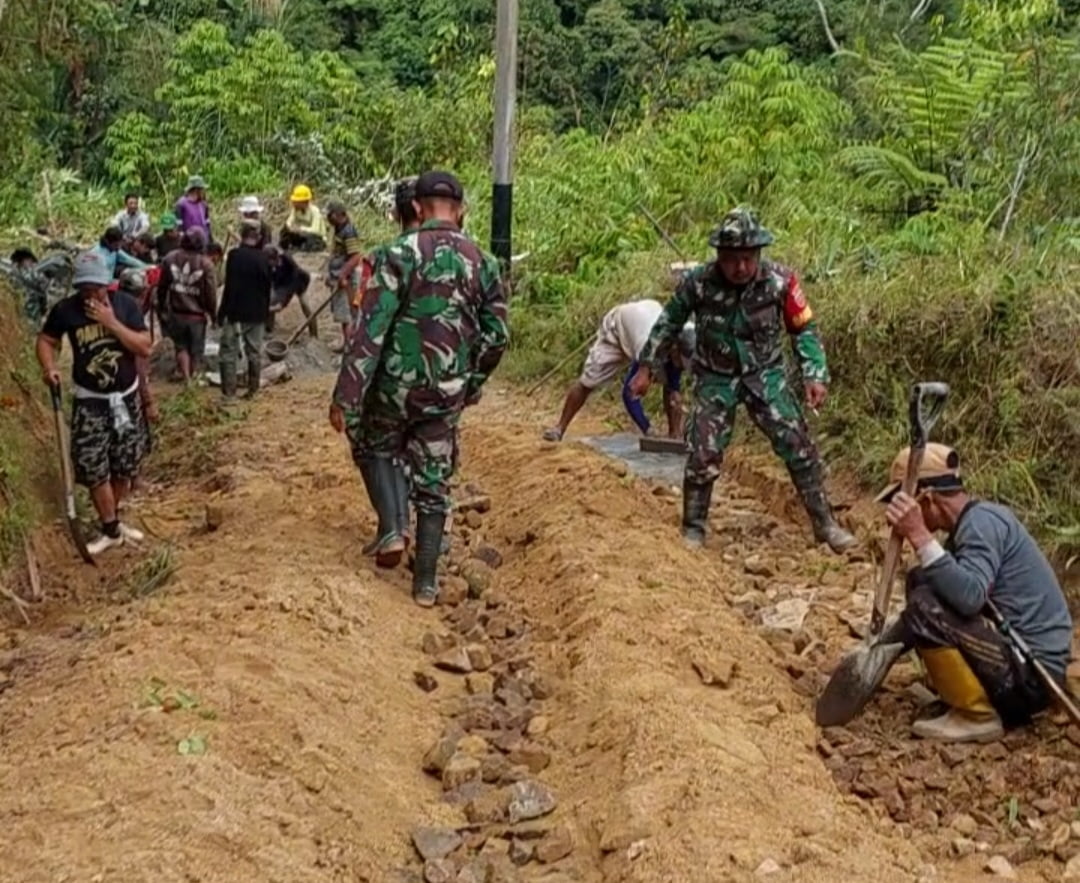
<point x="384" y="477"/>
<point x="431" y="328"/>
<point x="743" y="304"/>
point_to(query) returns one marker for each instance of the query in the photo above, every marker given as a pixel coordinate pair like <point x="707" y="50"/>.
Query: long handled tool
<point x="1023" y="653"/>
<point x="861" y="671"/>
<point x="924" y="407"/>
<point x="69" y="481"/>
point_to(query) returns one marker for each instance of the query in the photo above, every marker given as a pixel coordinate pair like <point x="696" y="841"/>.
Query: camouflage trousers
<point x="771" y="405"/>
<point x="427" y="448"/>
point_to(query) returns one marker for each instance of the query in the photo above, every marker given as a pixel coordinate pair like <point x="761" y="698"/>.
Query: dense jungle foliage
<point x="915" y="157"/>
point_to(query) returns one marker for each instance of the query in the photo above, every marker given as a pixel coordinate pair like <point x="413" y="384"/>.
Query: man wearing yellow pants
<point x="988" y="555"/>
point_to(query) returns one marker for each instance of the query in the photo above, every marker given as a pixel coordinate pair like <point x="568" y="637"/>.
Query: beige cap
<point x="940" y="468"/>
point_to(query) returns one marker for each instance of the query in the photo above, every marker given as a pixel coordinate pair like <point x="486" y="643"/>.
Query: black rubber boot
<point x="253" y="377"/>
<point x="228" y="380"/>
<point x="401" y="497"/>
<point x="429" y="534"/>
<point x="826" y="529"/>
<point x="696" y="499"/>
<point x="380" y="480"/>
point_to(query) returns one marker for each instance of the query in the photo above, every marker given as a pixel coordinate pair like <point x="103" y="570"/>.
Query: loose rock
<point x="787" y="615"/>
<point x="439" y="754"/>
<point x="478" y="657"/>
<point x="477" y="575"/>
<point x="435" y="643"/>
<point x="488" y="808"/>
<point x="767" y="868"/>
<point x="474" y="520"/>
<point x="964" y="824"/>
<point x="521" y="852"/>
<point x="435" y="843"/>
<point x="530" y="755"/>
<point x="215" y="516"/>
<point x="755" y="565"/>
<point x="440" y="871"/>
<point x="473" y="746"/>
<point x="459" y="770"/>
<point x="455" y="660"/>
<point x="530" y="800"/>
<point x="714" y="669"/>
<point x="491" y="556"/>
<point x="425" y="681"/>
<point x="999" y="866"/>
<point x="537" y="726"/>
<point x="1072" y="871"/>
<point x="480" y="683"/>
<point x="557" y="845"/>
<point x="453" y="591"/>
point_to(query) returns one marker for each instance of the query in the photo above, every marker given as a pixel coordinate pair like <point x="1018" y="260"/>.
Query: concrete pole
<point x="502" y="193"/>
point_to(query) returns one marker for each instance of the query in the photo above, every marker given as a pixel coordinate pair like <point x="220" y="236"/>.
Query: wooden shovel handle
<point x="896" y="542"/>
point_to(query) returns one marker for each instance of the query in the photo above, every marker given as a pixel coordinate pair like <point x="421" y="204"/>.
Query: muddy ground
<point x="600" y="703"/>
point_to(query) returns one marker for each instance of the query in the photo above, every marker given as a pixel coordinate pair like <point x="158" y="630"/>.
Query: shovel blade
<point x="854" y="681"/>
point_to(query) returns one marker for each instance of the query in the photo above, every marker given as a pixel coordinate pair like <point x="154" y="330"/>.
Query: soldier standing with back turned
<point x="743" y="305"/>
<point x="431" y="328"/>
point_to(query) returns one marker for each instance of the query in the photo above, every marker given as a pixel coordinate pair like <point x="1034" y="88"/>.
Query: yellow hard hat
<point x="301" y="193"/>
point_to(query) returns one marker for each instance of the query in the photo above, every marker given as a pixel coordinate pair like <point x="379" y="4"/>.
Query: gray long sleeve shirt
<point x="991" y="555"/>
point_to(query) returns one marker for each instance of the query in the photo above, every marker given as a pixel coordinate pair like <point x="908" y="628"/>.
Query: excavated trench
<point x="595" y="702"/>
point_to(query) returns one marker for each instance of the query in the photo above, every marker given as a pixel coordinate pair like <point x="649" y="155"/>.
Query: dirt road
<point x="259" y="719"/>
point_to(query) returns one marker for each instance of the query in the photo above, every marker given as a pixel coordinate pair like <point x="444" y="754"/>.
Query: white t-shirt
<point x="631" y="324"/>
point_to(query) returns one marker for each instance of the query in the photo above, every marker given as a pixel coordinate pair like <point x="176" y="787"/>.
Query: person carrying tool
<point x="385" y="480"/>
<point x="245" y="306"/>
<point x="290" y="280"/>
<point x="620" y="338"/>
<point x="744" y="305"/>
<point x="430" y="330"/>
<point x="989" y="557"/>
<point x="346" y="253"/>
<point x="252" y="210"/>
<point x="305" y="227"/>
<point x="131" y="220"/>
<point x="187" y="300"/>
<point x="109" y="436"/>
<point x="192" y="209"/>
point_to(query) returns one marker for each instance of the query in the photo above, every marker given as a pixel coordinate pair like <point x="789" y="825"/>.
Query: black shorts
<point x="188" y="335"/>
<point x="100" y="453"/>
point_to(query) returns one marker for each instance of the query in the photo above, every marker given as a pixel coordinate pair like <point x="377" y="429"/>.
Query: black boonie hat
<point x="439" y="185"/>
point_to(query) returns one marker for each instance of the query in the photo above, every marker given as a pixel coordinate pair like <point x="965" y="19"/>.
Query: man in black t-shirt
<point x="109" y="436"/>
<point x="290" y="280"/>
<point x="245" y="306"/>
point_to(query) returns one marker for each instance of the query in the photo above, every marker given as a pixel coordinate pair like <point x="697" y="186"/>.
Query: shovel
<point x="69" y="481"/>
<point x="861" y="672"/>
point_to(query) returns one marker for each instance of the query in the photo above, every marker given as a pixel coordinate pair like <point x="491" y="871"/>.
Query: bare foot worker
<point x="109" y="436"/>
<point x="988" y="556"/>
<point x="744" y="305"/>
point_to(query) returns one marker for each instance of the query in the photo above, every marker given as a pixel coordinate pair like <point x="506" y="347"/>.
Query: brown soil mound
<point x="264" y="715"/>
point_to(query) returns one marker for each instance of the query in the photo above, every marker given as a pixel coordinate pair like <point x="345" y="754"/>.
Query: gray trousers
<point x="233" y="334"/>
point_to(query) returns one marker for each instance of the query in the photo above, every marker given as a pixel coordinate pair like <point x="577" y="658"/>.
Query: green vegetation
<point x="919" y="174"/>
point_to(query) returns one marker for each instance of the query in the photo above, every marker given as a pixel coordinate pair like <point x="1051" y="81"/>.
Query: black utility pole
<point x="502" y="191"/>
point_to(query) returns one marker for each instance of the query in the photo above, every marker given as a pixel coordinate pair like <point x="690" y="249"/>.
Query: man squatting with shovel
<point x="431" y="328"/>
<point x="989" y="557"/>
<point x="620" y="338"/>
<point x="109" y="436"/>
<point x="743" y="304"/>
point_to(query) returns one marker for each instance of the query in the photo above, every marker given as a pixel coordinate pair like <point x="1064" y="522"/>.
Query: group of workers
<point x="424" y="324"/>
<point x="732" y="314"/>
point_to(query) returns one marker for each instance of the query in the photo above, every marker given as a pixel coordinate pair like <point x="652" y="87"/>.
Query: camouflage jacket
<point x="430" y="330"/>
<point x="739" y="330"/>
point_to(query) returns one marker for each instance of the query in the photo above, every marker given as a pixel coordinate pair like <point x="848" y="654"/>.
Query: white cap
<point x="250" y="204"/>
